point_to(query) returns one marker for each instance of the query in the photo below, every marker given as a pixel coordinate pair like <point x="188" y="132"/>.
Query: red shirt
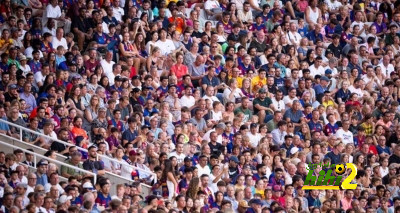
<point x="91" y="66"/>
<point x="133" y="72"/>
<point x="179" y="23"/>
<point x="179" y="70"/>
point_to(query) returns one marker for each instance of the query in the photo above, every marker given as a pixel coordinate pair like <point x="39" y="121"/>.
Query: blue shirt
<point x="214" y="81"/>
<point x="293" y="116"/>
<point x="384" y="149"/>
<point x="129" y="136"/>
<point x="352" y="66"/>
<point x="319" y="89"/>
<point x="315" y="126"/>
<point x="345" y="96"/>
<point x="101" y="39"/>
<point x="282" y="67"/>
<point x="102" y="200"/>
<point x="313" y="37"/>
<point x="42" y="180"/>
<point x="4" y="126"/>
<point x="109" y="21"/>
<point x="335" y="159"/>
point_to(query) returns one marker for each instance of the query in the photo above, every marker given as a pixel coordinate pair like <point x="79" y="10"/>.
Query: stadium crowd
<point x="228" y="102"/>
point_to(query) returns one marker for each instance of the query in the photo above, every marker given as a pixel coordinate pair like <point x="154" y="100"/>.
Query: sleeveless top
<point x="77" y="103"/>
<point x="127" y="46"/>
<point x="313" y="15"/>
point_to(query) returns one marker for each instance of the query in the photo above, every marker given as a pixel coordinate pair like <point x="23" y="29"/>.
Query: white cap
<point x="87" y="185"/>
<point x="294" y="150"/>
<point x="64" y="198"/>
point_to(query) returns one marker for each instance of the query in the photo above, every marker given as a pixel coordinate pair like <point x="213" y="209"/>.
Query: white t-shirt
<point x="347" y="137"/>
<point x="296" y="37"/>
<point x="28" y="53"/>
<point x="187" y="101"/>
<point x="211" y="4"/>
<point x="288" y="100"/>
<point x="207" y="136"/>
<point x="216" y="116"/>
<point x="211" y="98"/>
<point x="39" y="78"/>
<point x="211" y="185"/>
<point x="166" y="46"/>
<point x="316" y="71"/>
<point x="386" y="70"/>
<point x="279" y="105"/>
<point x="51" y="31"/>
<point x="107" y="67"/>
<point x="48" y="186"/>
<point x="118" y="13"/>
<point x="358" y="91"/>
<point x="180" y="157"/>
<point x="361" y="25"/>
<point x="206" y="170"/>
<point x="53" y="12"/>
<point x="254" y="139"/>
<point x="63" y="42"/>
<point x="236" y="94"/>
<point x="333" y="5"/>
<point x="25" y="69"/>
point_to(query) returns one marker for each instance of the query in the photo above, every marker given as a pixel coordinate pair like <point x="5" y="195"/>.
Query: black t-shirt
<point x="394" y="159"/>
<point x="92" y="165"/>
<point x="233" y="173"/>
<point x="58" y="147"/>
<point x="215" y="147"/>
<point x="337" y="51"/>
<point x="8" y="97"/>
<point x="197" y="34"/>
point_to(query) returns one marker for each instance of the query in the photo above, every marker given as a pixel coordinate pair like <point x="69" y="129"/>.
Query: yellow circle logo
<point x="340" y="169"/>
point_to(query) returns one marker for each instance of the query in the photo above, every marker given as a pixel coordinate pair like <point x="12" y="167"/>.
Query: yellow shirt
<point x="261" y="192"/>
<point x="239" y="81"/>
<point x="257" y="83"/>
<point x="328" y="103"/>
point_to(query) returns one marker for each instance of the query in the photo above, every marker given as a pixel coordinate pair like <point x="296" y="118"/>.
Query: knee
<point x="261" y="113"/>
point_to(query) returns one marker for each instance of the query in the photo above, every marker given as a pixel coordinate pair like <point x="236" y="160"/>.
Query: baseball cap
<point x="232" y="37"/>
<point x="324" y="78"/>
<point x="23" y="185"/>
<point x="132" y="152"/>
<point x="43" y="163"/>
<point x="22" y="58"/>
<point x="187" y="159"/>
<point x="275" y="148"/>
<point x="221" y="126"/>
<point x="87" y="185"/>
<point x="328" y="72"/>
<point x="64" y="198"/>
<point x="72" y="63"/>
<point x="262" y="90"/>
<point x="243" y="204"/>
<point x="234" y="159"/>
<point x="117" y="78"/>
<point x="253" y="125"/>
<point x="12" y="86"/>
<point x="256" y="201"/>
<point x="277" y="188"/>
<point x="294" y="150"/>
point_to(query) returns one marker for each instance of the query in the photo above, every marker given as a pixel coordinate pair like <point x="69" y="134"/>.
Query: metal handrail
<point x="21" y="128"/>
<point x="50" y="160"/>
<point x="33" y="145"/>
